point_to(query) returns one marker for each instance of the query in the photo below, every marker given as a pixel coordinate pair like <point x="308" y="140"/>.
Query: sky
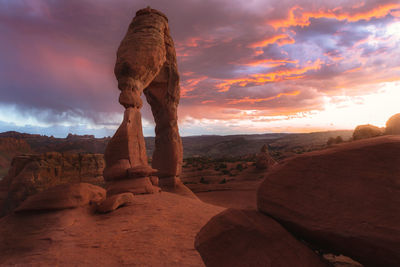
<point x="253" y="66"/>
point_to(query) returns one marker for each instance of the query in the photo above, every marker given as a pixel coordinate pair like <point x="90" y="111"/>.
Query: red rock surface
<point x="64" y="196"/>
<point x="157" y="230"/>
<point x="345" y="199"/>
<point x="249" y="238"/>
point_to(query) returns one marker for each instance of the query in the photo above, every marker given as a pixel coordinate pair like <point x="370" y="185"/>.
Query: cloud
<point x="278" y="59"/>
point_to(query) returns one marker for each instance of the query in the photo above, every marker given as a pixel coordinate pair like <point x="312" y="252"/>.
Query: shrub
<point x="222" y="166"/>
<point x="226" y="172"/>
<point x="203" y="181"/>
<point x="338" y="139"/>
<point x="239" y="167"/>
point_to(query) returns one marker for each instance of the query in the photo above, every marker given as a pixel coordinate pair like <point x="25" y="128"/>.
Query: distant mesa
<point x="393" y="125"/>
<point x="79" y="137"/>
<point x="367" y="131"/>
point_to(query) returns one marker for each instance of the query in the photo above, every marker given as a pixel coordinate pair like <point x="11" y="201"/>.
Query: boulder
<point x="64" y="197"/>
<point x="114" y="202"/>
<point x="366" y="131"/>
<point x="345" y="199"/>
<point x="393" y="125"/>
<point x="249" y="238"/>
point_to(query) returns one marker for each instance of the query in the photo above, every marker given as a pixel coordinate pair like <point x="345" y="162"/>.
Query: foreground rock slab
<point x="155" y="230"/>
<point x="249" y="238"/>
<point x="345" y="199"/>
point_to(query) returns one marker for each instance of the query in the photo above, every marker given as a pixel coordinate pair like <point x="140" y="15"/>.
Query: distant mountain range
<point x="281" y="145"/>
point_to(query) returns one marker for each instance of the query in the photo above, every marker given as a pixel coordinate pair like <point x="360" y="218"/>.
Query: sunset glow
<point x="273" y="66"/>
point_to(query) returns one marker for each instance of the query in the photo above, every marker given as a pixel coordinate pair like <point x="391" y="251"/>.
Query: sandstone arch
<point x="146" y="62"/>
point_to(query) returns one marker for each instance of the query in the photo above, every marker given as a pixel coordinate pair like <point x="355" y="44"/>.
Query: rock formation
<point x="114" y="202"/>
<point x="249" y="238"/>
<point x="146" y="62"/>
<point x="366" y="131"/>
<point x="31" y="174"/>
<point x="65" y="196"/>
<point x="9" y="148"/>
<point x="393" y="125"/>
<point x="345" y="199"/>
<point x="264" y="160"/>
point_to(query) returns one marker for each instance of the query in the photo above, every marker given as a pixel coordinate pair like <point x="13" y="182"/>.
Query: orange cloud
<point x="334" y="55"/>
<point x="353" y="70"/>
<point x="255" y="100"/>
<point x="276" y="76"/>
<point x="207" y="101"/>
<point x="269" y="62"/>
<point x="280" y="39"/>
<point x="297" y="17"/>
<point x="189" y="85"/>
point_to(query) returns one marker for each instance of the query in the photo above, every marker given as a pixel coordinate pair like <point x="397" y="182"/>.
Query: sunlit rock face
<point x="146" y="62"/>
<point x="393" y="125"/>
<point x="366" y="131"/>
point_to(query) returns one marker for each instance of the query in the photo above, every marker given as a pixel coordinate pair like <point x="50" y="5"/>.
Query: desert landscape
<point x="298" y="195"/>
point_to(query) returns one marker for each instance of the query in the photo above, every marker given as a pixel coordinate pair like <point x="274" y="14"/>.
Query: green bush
<point x="222" y="166"/>
<point x="226" y="172"/>
<point x="203" y="181"/>
<point x="239" y="167"/>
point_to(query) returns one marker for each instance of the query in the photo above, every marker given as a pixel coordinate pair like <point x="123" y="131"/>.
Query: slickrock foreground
<point x="345" y="199"/>
<point x="249" y="238"/>
<point x="154" y="230"/>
